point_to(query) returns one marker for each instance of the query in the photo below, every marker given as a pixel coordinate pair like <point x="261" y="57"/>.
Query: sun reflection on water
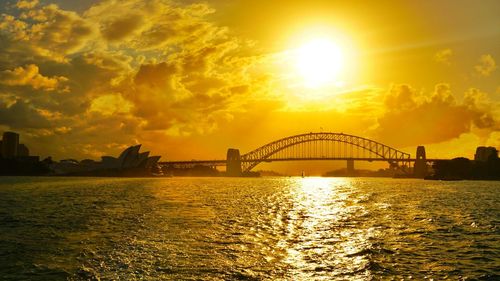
<point x="248" y="229"/>
<point x="320" y="234"/>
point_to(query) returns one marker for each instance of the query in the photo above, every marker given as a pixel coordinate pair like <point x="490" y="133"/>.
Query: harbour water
<point x="248" y="229"/>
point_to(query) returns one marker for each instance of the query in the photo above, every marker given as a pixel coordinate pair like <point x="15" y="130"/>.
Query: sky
<point x="189" y="79"/>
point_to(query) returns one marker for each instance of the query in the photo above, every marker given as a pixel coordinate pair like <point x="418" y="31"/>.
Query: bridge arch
<point x="372" y="150"/>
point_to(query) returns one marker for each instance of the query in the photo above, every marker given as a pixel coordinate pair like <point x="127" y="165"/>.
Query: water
<point x="248" y="229"/>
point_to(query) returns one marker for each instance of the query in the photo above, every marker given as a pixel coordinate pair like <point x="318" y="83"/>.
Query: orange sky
<point x="189" y="79"/>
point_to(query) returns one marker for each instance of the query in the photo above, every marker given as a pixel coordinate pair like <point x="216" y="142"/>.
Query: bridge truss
<point x="313" y="146"/>
<point x="324" y="146"/>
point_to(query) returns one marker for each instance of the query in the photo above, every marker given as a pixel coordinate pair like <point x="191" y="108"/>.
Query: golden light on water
<point x="319" y="203"/>
<point x="181" y="106"/>
<point x="317" y="195"/>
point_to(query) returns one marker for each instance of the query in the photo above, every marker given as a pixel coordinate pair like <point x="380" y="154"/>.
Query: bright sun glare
<point x="319" y="62"/>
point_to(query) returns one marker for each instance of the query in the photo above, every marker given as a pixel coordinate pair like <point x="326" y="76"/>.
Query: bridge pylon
<point x="420" y="167"/>
<point x="233" y="163"/>
<point x="350" y="167"/>
<point x="305" y="147"/>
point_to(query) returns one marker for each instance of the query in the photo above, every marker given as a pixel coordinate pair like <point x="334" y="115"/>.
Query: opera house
<point x="130" y="161"/>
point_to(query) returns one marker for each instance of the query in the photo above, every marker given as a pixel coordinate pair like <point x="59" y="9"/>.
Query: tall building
<point x="23" y="151"/>
<point x="484" y="153"/>
<point x="10" y="144"/>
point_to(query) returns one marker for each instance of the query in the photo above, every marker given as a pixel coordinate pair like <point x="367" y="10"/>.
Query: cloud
<point x="127" y="70"/>
<point x="30" y="75"/>
<point x="47" y="32"/>
<point x="110" y="104"/>
<point x="133" y="71"/>
<point x="21" y="114"/>
<point x="413" y="118"/>
<point x="26" y="4"/>
<point x="123" y="27"/>
<point x="147" y="25"/>
<point x="486" y="65"/>
<point x="444" y="56"/>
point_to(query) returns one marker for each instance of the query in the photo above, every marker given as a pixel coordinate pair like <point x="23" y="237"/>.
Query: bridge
<point x="313" y="146"/>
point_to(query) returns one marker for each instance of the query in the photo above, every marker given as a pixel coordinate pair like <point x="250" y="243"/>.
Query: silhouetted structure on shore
<point x="350" y="167"/>
<point x="131" y="162"/>
<point x="306" y="147"/>
<point x="15" y="158"/>
<point x="206" y="171"/>
<point x="16" y="161"/>
<point x="233" y="165"/>
<point x="483" y="154"/>
<point x="196" y="171"/>
<point x="485" y="166"/>
<point x="420" y="167"/>
<point x="10" y="148"/>
<point x="387" y="173"/>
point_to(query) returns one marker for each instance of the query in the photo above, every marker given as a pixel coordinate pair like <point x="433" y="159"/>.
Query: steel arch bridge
<point x="310" y="146"/>
<point x="323" y="146"/>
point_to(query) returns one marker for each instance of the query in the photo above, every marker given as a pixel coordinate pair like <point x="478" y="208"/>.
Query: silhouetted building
<point x="152" y="162"/>
<point x="10" y="144"/>
<point x="130" y="159"/>
<point x="15" y="158"/>
<point x="456" y="168"/>
<point x="483" y="153"/>
<point x="23" y="151"/>
<point x="129" y="156"/>
<point x="233" y="162"/>
<point x="420" y="168"/>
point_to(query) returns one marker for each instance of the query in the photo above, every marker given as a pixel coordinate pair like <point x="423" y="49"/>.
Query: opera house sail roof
<point x="130" y="158"/>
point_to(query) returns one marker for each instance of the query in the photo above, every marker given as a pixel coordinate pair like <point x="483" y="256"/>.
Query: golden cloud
<point x="132" y="67"/>
<point x="26" y="4"/>
<point x="30" y="75"/>
<point x="47" y="32"/>
<point x="139" y="71"/>
<point x="444" y="56"/>
<point x="413" y="118"/>
<point x="486" y="65"/>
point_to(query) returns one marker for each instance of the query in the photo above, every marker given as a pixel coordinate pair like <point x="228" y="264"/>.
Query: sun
<point x="319" y="62"/>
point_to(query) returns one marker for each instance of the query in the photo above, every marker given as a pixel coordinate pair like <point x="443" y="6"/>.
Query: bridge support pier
<point x="420" y="167"/>
<point x="350" y="167"/>
<point x="233" y="163"/>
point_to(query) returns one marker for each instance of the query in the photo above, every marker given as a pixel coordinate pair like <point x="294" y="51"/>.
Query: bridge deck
<point x="223" y="162"/>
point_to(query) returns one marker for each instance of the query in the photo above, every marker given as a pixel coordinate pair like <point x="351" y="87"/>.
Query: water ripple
<point x="248" y="229"/>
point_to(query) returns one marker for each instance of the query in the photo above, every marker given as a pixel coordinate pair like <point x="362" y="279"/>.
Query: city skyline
<point x="188" y="79"/>
<point x="249" y="140"/>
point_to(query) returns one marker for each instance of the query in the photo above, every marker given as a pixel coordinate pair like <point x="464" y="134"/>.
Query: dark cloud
<point x="413" y="118"/>
<point x="21" y="115"/>
<point x="136" y="71"/>
<point x="122" y="27"/>
<point x="156" y="75"/>
<point x="126" y="69"/>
